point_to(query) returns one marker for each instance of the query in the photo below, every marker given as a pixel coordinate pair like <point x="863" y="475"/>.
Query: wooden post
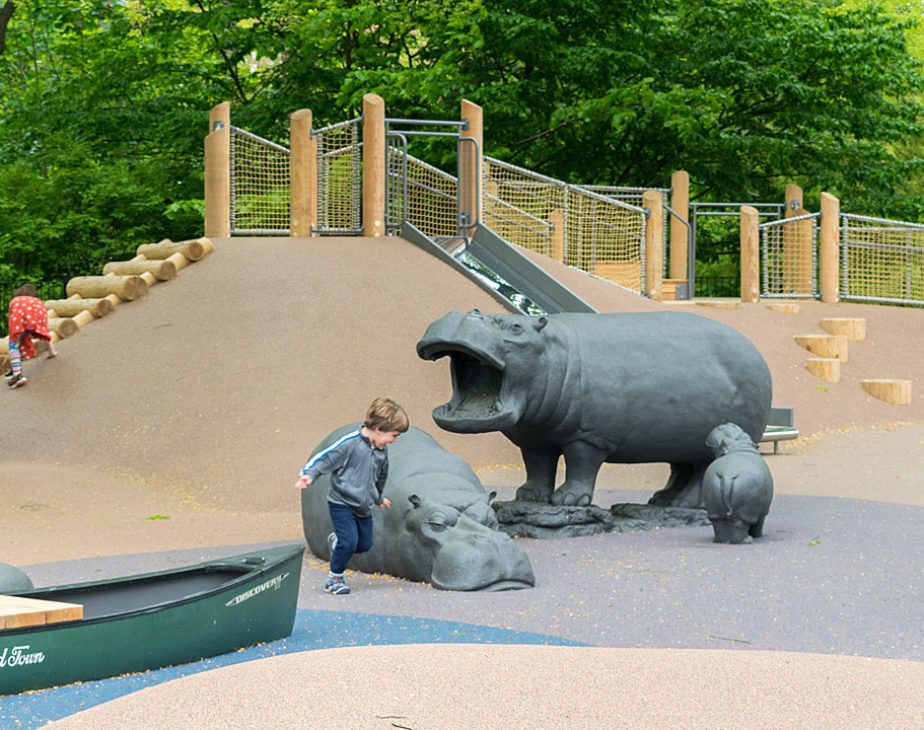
<point x="218" y="172"/>
<point x="828" y="246"/>
<point x="303" y="175"/>
<point x="680" y="204"/>
<point x="654" y="243"/>
<point x="557" y="219"/>
<point x="472" y="154"/>
<point x="374" y="170"/>
<point x="750" y="254"/>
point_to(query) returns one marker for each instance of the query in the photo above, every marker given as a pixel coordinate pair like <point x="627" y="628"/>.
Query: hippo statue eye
<point x="439" y="521"/>
<point x="516" y="328"/>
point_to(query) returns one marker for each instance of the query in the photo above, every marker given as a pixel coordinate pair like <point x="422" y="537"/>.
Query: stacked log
<point x="126" y="288"/>
<point x="160" y="270"/>
<point x="73" y="307"/>
<point x="62" y="326"/>
<point x="193" y="250"/>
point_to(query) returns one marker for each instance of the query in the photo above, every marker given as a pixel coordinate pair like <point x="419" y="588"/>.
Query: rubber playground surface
<point x="818" y="624"/>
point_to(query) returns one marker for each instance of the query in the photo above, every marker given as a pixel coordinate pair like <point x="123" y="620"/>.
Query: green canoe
<point x="155" y="620"/>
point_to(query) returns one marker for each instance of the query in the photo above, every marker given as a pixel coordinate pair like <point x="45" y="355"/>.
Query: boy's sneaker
<point x="336" y="586"/>
<point x="17" y="380"/>
<point x="332" y="542"/>
<point x="8" y="375"/>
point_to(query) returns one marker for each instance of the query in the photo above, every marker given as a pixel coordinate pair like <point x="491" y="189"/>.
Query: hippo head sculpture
<point x="440" y="528"/>
<point x="482" y="349"/>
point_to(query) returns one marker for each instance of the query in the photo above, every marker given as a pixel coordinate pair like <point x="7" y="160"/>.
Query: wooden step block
<point x="719" y="304"/>
<point x="784" y="307"/>
<point x="19" y="611"/>
<point x="824" y="345"/>
<point x="669" y="289"/>
<point x="897" y="392"/>
<point x="854" y="328"/>
<point x="826" y="368"/>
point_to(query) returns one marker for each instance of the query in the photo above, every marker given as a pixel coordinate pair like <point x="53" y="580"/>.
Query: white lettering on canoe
<point x="273" y="583"/>
<point x="18" y="656"/>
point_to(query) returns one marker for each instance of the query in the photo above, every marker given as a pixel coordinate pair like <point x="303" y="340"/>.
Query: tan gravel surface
<point x="199" y="403"/>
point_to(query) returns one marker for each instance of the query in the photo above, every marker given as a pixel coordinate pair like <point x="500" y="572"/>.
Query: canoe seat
<point x="19" y="611"/>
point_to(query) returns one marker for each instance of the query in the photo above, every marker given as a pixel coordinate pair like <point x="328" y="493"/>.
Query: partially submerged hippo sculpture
<point x="595" y="388"/>
<point x="737" y="486"/>
<point x="440" y="527"/>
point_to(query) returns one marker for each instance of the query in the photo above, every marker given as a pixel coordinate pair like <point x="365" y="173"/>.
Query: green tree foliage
<point x="103" y="106"/>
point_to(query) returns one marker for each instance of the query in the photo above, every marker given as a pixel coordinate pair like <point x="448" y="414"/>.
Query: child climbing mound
<point x="358" y="465"/>
<point x="28" y="319"/>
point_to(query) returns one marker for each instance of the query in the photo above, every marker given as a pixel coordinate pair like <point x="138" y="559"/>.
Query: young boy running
<point x="358" y="465"/>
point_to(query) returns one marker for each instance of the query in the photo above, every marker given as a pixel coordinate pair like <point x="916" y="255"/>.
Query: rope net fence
<point x="259" y="185"/>
<point x="789" y="257"/>
<point x="596" y="233"/>
<point x="339" y="150"/>
<point x="882" y="260"/>
<point x="420" y="194"/>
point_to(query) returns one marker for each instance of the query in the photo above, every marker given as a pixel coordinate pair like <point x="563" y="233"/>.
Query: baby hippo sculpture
<point x="737" y="486"/>
<point x="440" y="526"/>
<point x="595" y="388"/>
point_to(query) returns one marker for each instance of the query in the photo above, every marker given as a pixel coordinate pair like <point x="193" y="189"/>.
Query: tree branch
<point x="6" y="12"/>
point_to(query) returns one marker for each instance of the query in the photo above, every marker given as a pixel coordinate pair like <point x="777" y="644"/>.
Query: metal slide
<point x="502" y="271"/>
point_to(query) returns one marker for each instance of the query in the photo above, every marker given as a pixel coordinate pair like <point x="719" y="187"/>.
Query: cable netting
<point x="596" y="233"/>
<point x="339" y="151"/>
<point x="421" y="194"/>
<point x="882" y="260"/>
<point x="789" y="257"/>
<point x="259" y="185"/>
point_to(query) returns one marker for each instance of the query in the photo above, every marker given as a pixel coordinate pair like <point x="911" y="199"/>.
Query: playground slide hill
<point x="215" y="387"/>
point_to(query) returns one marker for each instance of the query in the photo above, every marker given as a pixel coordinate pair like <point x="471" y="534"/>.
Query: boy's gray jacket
<point x="358" y="471"/>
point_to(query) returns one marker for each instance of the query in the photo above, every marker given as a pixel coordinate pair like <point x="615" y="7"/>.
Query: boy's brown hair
<point x="386" y="415"/>
<point x="25" y="290"/>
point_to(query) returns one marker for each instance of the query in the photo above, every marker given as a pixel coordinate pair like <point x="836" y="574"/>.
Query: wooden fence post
<point x="218" y="173"/>
<point x="680" y="204"/>
<point x="828" y="245"/>
<point x="472" y="159"/>
<point x="374" y="171"/>
<point x="750" y="254"/>
<point x="303" y="175"/>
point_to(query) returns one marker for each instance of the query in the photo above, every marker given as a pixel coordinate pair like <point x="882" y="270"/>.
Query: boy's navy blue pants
<point x="354" y="535"/>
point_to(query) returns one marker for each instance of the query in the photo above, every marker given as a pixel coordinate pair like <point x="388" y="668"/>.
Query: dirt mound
<point x="214" y="388"/>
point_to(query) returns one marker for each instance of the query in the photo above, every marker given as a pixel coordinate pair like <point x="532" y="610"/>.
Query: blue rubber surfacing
<point x="313" y="630"/>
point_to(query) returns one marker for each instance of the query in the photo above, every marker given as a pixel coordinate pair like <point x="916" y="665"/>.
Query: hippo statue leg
<point x="757" y="529"/>
<point x="683" y="488"/>
<point x="582" y="462"/>
<point x="541" y="467"/>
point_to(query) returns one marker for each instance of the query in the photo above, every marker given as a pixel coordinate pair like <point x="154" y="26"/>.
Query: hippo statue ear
<point x="414" y="500"/>
<point x="491" y="497"/>
<point x="540" y="323"/>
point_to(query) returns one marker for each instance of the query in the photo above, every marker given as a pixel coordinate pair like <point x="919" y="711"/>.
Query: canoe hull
<point x="249" y="608"/>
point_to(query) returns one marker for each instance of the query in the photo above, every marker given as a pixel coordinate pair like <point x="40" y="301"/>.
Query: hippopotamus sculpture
<point x="595" y="388"/>
<point x="13" y="579"/>
<point x="737" y="486"/>
<point x="440" y="527"/>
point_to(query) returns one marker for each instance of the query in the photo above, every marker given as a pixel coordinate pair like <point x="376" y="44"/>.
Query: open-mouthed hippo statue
<point x="737" y="486"/>
<point x="595" y="388"/>
<point x="440" y="527"/>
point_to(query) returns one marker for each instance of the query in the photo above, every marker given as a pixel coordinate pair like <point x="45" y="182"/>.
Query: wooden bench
<point x="19" y="611"/>
<point x="780" y="427"/>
